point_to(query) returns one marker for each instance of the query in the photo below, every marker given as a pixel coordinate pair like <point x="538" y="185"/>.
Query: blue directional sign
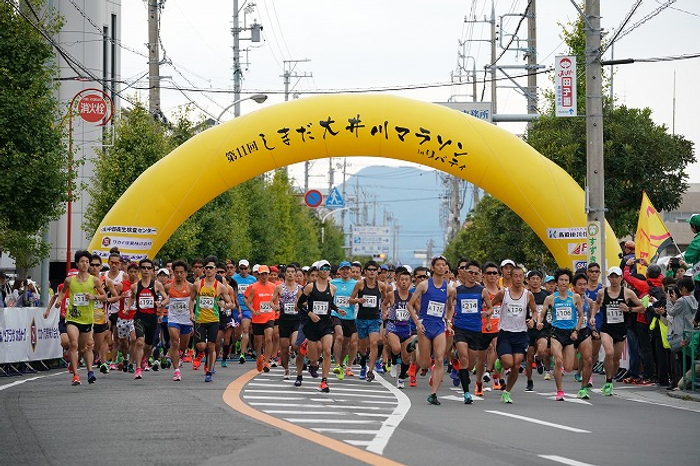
<point x="334" y="199"/>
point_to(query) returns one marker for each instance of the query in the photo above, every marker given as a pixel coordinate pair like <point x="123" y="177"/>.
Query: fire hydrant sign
<point x="565" y="83"/>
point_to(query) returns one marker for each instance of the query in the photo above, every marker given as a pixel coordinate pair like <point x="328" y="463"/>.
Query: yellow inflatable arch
<point x="538" y="190"/>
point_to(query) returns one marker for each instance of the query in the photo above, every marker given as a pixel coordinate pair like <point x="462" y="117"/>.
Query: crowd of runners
<point x="482" y="322"/>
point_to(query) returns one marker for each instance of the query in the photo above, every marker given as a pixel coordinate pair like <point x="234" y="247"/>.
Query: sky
<point x="363" y="44"/>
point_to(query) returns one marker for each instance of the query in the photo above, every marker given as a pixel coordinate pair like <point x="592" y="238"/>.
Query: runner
<point x="594" y="286"/>
<point x="420" y="274"/>
<point x="61" y="305"/>
<point x="125" y="319"/>
<point x="101" y="331"/>
<point x="180" y="315"/>
<point x="431" y="307"/>
<point x="258" y="298"/>
<point x="83" y="290"/>
<point x="567" y="321"/>
<point x="244" y="280"/>
<point x="613" y="301"/>
<point x="117" y="276"/>
<point x="284" y="301"/>
<point x="489" y="334"/>
<point x="584" y="343"/>
<point x="538" y="335"/>
<point x="513" y="326"/>
<point x="368" y="293"/>
<point x="319" y="295"/>
<point x="207" y="295"/>
<point x="473" y="304"/>
<point x="345" y="344"/>
<point x="398" y="328"/>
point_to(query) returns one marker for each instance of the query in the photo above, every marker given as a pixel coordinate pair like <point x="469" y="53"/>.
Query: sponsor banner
<point x="578" y="249"/>
<point x="26" y="336"/>
<point x="567" y="233"/>
<point x="150" y="231"/>
<point x="131" y="257"/>
<point x="123" y="242"/>
<point x="594" y="242"/>
<point x="565" y="84"/>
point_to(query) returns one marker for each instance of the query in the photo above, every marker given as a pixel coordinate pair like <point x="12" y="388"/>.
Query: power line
<point x="622" y="34"/>
<point x="622" y="25"/>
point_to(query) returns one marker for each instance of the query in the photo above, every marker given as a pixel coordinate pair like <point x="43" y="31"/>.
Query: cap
<point x="615" y="271"/>
<point x="548" y="279"/>
<point x="163" y="270"/>
<point x="654" y="271"/>
<point x="409" y="269"/>
<point x="321" y="263"/>
<point x="256" y="268"/>
<point x="261" y="268"/>
<point x="694" y="220"/>
<point x="274" y="269"/>
<point x="243" y="263"/>
<point x="72" y="272"/>
<point x="384" y="267"/>
<point x="305" y="268"/>
<point x="532" y="273"/>
<point x="507" y="262"/>
<point x="344" y="264"/>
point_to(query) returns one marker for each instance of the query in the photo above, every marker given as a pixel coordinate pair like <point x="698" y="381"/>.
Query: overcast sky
<point x="402" y="43"/>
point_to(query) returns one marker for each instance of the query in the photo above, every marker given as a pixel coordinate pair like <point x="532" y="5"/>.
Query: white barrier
<point x="26" y="336"/>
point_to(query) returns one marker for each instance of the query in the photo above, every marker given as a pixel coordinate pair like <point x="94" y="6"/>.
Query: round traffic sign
<point x="93" y="108"/>
<point x="313" y="198"/>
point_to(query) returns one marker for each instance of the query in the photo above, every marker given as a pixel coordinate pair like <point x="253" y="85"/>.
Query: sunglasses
<point x="209" y="267"/>
<point x="147" y="267"/>
<point x="371" y="269"/>
<point x="473" y="272"/>
<point x="419" y="277"/>
<point x="95" y="265"/>
<point x="325" y="268"/>
<point x="491" y="273"/>
<point x="594" y="271"/>
<point x="242" y="267"/>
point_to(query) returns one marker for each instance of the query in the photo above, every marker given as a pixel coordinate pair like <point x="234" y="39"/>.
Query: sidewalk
<point x="685" y="395"/>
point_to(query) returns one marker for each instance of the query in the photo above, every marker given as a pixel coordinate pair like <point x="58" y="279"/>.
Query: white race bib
<point x="265" y="306"/>
<point x="371" y="301"/>
<point x="206" y="302"/>
<point x="146" y="302"/>
<point x="514" y="309"/>
<point x="496" y="312"/>
<point x="614" y="314"/>
<point x="242" y="288"/>
<point x="179" y="305"/>
<point x="564" y="313"/>
<point x="402" y="314"/>
<point x="435" y="309"/>
<point x="80" y="299"/>
<point x="290" y="308"/>
<point x="548" y="318"/>
<point x="342" y="301"/>
<point x="320" y="308"/>
<point x="469" y="306"/>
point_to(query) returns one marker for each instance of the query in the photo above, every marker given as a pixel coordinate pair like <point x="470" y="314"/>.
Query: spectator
<point x="691" y="258"/>
<point x="681" y="307"/>
<point x="5" y="288"/>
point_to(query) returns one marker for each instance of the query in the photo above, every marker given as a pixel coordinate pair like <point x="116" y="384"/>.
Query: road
<point x="120" y="421"/>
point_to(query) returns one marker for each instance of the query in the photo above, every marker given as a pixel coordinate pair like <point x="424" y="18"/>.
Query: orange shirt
<point x="262" y="302"/>
<point x="495" y="318"/>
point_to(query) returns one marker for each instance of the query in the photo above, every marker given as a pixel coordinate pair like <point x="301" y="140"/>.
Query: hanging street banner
<point x="565" y="84"/>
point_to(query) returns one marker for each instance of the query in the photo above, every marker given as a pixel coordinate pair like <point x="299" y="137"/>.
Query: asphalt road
<point x="120" y="421"/>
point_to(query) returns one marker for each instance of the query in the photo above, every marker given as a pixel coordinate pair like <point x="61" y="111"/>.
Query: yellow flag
<point x="652" y="235"/>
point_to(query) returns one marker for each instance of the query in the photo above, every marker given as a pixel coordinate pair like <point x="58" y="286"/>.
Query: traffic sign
<point x="334" y="199"/>
<point x="313" y="198"/>
<point x="371" y="240"/>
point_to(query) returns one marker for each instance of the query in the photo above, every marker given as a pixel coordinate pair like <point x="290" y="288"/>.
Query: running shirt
<point x="206" y="308"/>
<point x="513" y="312"/>
<point x="495" y="317"/>
<point x="343" y="290"/>
<point x="593" y="294"/>
<point x="100" y="311"/>
<point x="146" y="298"/>
<point x="63" y="304"/>
<point x="432" y="303"/>
<point x="468" y="308"/>
<point x="80" y="309"/>
<point x="369" y="310"/>
<point x="540" y="296"/>
<point x="262" y="302"/>
<point x="398" y="312"/>
<point x="243" y="284"/>
<point x="610" y="308"/>
<point x="126" y="314"/>
<point x="179" y="307"/>
<point x="288" y="303"/>
<point x="564" y="312"/>
<point x="115" y="306"/>
<point x="319" y="303"/>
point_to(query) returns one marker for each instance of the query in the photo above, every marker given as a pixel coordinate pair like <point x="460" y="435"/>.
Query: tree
<point x="33" y="158"/>
<point x="639" y="155"/>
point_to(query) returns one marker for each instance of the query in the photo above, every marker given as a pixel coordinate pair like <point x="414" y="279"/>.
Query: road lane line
<point x="303" y="420"/>
<point x="334" y="388"/>
<point x="317" y="392"/>
<point x="540" y="422"/>
<point x="389" y="426"/>
<point x="683" y="408"/>
<point x="20" y="382"/>
<point x="306" y="413"/>
<point x="232" y="397"/>
<point x="298" y="405"/>
<point x="347" y="431"/>
<point x="358" y="443"/>
<point x="280" y="398"/>
<point x="561" y="459"/>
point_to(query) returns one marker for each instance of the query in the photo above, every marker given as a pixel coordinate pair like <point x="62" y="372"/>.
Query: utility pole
<point x="532" y="59"/>
<point x="594" y="123"/>
<point x="236" y="30"/>
<point x="153" y="59"/>
<point x="456" y="207"/>
<point x="331" y="172"/>
<point x="493" y="58"/>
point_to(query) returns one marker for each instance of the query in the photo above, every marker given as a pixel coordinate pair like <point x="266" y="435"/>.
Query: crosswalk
<point x="358" y="413"/>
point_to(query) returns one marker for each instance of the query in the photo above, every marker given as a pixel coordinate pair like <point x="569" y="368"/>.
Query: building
<point x="675" y="220"/>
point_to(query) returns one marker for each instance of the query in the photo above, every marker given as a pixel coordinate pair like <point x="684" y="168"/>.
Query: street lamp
<point x="323" y="222"/>
<point x="258" y="98"/>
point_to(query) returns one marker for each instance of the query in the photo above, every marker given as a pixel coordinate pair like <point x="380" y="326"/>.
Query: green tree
<point x="33" y="158"/>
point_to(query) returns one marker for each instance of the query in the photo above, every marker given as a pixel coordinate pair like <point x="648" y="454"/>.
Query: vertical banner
<point x="565" y="84"/>
<point x="26" y="336"/>
<point x="652" y="235"/>
<point x="594" y="237"/>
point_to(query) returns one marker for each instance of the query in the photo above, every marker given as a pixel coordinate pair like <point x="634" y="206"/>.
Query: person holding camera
<point x="691" y="260"/>
<point x="681" y="307"/>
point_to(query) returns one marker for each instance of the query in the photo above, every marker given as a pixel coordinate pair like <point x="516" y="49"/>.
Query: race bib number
<point x="371" y="301"/>
<point x="435" y="309"/>
<point x="290" y="308"/>
<point x="342" y="301"/>
<point x="178" y="306"/>
<point x="206" y="302"/>
<point x="402" y="314"/>
<point x="266" y="306"/>
<point x="548" y="317"/>
<point x="146" y="302"/>
<point x="496" y="312"/>
<point x="564" y="313"/>
<point x="80" y="299"/>
<point x="614" y="314"/>
<point x="320" y="308"/>
<point x="469" y="306"/>
<point x="242" y="288"/>
<point x="514" y="309"/>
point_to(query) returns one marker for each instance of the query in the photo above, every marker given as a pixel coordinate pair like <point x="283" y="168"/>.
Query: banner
<point x="26" y="336"/>
<point x="565" y="86"/>
<point x="652" y="235"/>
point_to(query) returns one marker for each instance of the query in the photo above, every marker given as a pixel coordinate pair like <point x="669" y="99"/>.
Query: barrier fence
<point x="26" y="338"/>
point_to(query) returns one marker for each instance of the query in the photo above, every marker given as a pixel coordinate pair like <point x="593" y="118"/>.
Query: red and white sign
<point x="565" y="83"/>
<point x="93" y="106"/>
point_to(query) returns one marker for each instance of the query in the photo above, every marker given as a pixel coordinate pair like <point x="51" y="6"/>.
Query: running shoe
<point x="583" y="394"/>
<point x="363" y="372"/>
<point x="540" y="366"/>
<point x="286" y="374"/>
<point x="76" y="379"/>
<point x="400" y="384"/>
<point x="139" y="374"/>
<point x="379" y="367"/>
<point x="91" y="377"/>
<point x="590" y="383"/>
<point x="411" y="347"/>
<point x="496" y="383"/>
<point x="266" y="368"/>
<point x="155" y="366"/>
<point x="430" y="381"/>
<point x="423" y="372"/>
<point x="433" y="400"/>
<point x="104" y="368"/>
<point x="340" y="374"/>
<point x="370" y="376"/>
<point x="454" y="375"/>
<point x="560" y="396"/>
<point x="313" y="370"/>
<point x="323" y="387"/>
<point x="505" y="398"/>
<point x="131" y="368"/>
<point x="70" y="369"/>
<point x="412" y="381"/>
<point x="644" y="382"/>
<point x="302" y="348"/>
<point x="530" y="386"/>
<point x="208" y="377"/>
<point x="198" y="362"/>
<point x="176" y="376"/>
<point x="479" y="390"/>
<point x="349" y="372"/>
<point x="497" y="366"/>
<point x="112" y="367"/>
<point x="224" y="363"/>
<point x="607" y="389"/>
<point x="241" y="359"/>
<point x="412" y="368"/>
<point x="547" y="376"/>
<point x="297" y="382"/>
<point x="577" y="377"/>
<point x="468" y="398"/>
<point x="392" y="371"/>
<point x="259" y="363"/>
<point x="273" y="362"/>
<point x="487" y="377"/>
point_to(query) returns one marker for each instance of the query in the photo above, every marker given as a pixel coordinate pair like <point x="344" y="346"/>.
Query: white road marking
<point x="281" y="398"/>
<point x="389" y="426"/>
<point x="321" y="430"/>
<point x="540" y="422"/>
<point x="358" y="443"/>
<point x="561" y="459"/>
<point x="380" y="402"/>
<point x="333" y="406"/>
<point x="343" y="394"/>
<point x="301" y="420"/>
<point x="683" y="408"/>
<point x="460" y="398"/>
<point x="333" y="387"/>
<point x="307" y="413"/>
<point x="20" y="382"/>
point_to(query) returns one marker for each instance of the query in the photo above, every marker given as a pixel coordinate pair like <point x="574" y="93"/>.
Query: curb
<point x="683" y="395"/>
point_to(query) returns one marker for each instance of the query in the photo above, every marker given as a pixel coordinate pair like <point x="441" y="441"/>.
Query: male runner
<point x="180" y="315"/>
<point x="398" y="328"/>
<point x="345" y="328"/>
<point x="489" y="333"/>
<point x="116" y="276"/>
<point x="594" y="286"/>
<point x="244" y="280"/>
<point x="258" y="299"/>
<point x="101" y="331"/>
<point x="539" y="334"/>
<point x="583" y="343"/>
<point x="284" y="301"/>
